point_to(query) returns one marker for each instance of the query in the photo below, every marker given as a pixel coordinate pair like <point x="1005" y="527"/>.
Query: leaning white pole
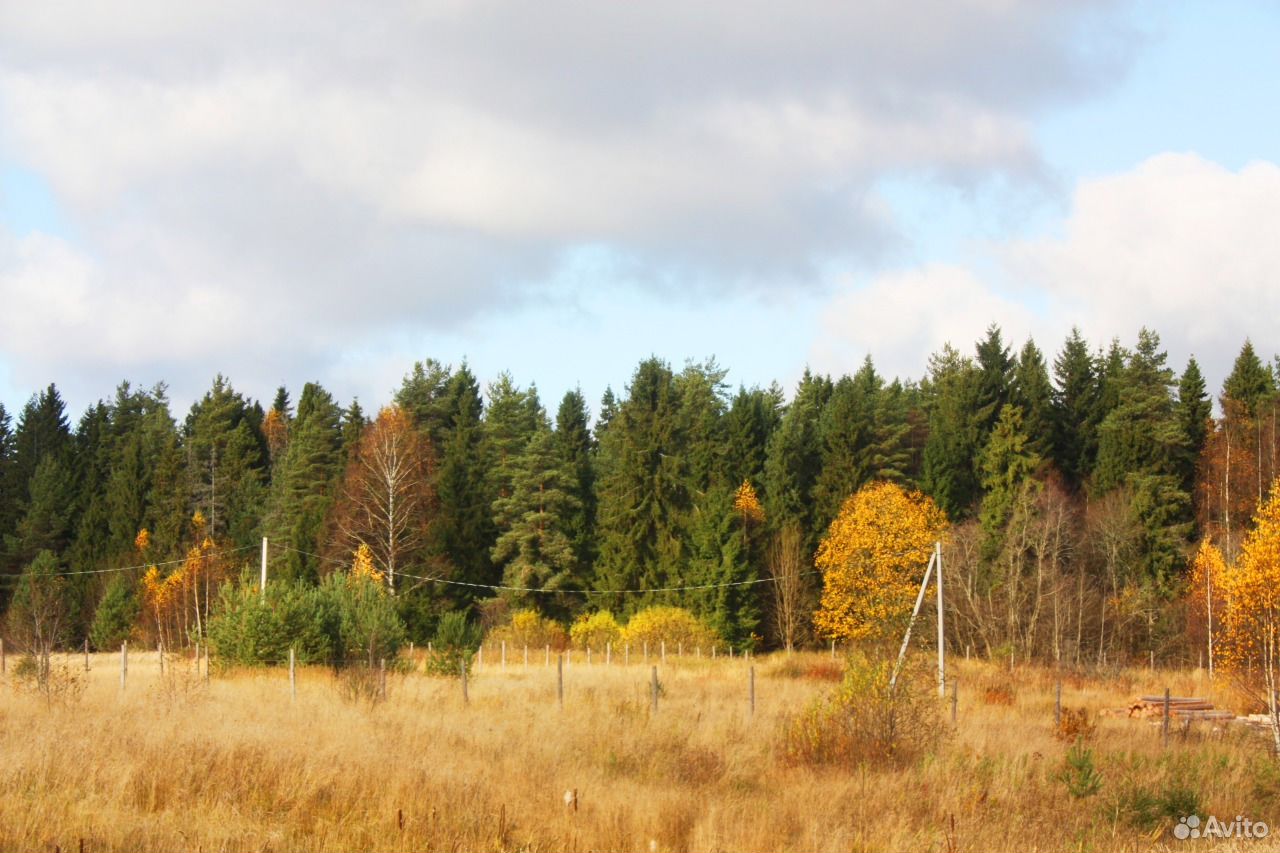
<point x="902" y="653"/>
<point x="262" y="588"/>
<point x="942" y="642"/>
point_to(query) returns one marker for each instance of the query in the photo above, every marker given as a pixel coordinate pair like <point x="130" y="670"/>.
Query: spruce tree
<point x="226" y="463"/>
<point x="749" y="423"/>
<point x="575" y="450"/>
<point x="950" y="466"/>
<point x="1194" y="411"/>
<point x="1075" y="412"/>
<point x="1250" y="382"/>
<point x="1009" y="461"/>
<point x="702" y="391"/>
<point x="511" y="418"/>
<point x="995" y="372"/>
<point x="720" y="559"/>
<point x="1031" y="391"/>
<point x="535" y="547"/>
<point x="644" y="495"/>
<point x="794" y="460"/>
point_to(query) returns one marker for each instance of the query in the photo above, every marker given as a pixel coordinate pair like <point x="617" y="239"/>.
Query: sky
<point x="316" y="192"/>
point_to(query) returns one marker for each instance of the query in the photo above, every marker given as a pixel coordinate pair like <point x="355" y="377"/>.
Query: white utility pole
<point x="942" y="642"/>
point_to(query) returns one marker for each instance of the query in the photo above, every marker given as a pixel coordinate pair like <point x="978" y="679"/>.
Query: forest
<point x="1077" y="487"/>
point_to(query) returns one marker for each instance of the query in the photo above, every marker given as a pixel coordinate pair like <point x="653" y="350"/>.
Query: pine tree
<point x="534" y="548"/>
<point x="794" y="459"/>
<point x="463" y="530"/>
<point x="643" y="493"/>
<point x="575" y="450"/>
<point x="1194" y="412"/>
<point x="1250" y="382"/>
<point x="303" y="488"/>
<point x="1031" y="391"/>
<point x="1075" y="410"/>
<point x="226" y="463"/>
<point x="720" y="559"/>
<point x="950" y="471"/>
<point x="1009" y="461"/>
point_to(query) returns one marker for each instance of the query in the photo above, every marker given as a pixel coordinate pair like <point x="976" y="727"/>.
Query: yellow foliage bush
<point x="872" y="559"/>
<point x="529" y="628"/>
<point x="593" y="631"/>
<point x="672" y="625"/>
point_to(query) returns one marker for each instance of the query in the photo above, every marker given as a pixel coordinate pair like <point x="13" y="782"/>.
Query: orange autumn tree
<point x="178" y="604"/>
<point x="872" y="560"/>
<point x="1251" y="624"/>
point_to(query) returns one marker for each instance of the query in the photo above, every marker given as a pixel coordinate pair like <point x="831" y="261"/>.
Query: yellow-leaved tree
<point x="1204" y="597"/>
<point x="872" y="560"/>
<point x="1251" y="623"/>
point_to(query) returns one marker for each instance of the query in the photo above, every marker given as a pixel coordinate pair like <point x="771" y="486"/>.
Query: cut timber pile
<point x="1180" y="708"/>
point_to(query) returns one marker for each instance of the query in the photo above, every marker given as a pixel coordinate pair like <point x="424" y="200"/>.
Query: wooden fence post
<point x="526" y="655"/>
<point x="560" y="679"/>
<point x="504" y="654"/>
<point x="664" y="651"/>
<point x="124" y="663"/>
<point x="653" y="689"/>
<point x="160" y="650"/>
<point x="1057" y="705"/>
<point x="955" y="698"/>
<point x="293" y="678"/>
<point x="463" y="665"/>
<point x="1164" y="729"/>
<point x="86" y="654"/>
<point x="588" y="656"/>
<point x="626" y="660"/>
<point x="206" y="663"/>
<point x="608" y="652"/>
<point x="752" y="671"/>
<point x="548" y="663"/>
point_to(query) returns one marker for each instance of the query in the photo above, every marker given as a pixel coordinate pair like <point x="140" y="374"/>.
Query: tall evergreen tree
<point x="1075" y="413"/>
<point x="748" y="424"/>
<point x="702" y="391"/>
<point x="794" y="459"/>
<point x="1009" y="462"/>
<point x="951" y="394"/>
<point x="424" y="394"/>
<point x="464" y="524"/>
<point x="302" y="491"/>
<point x="1032" y="392"/>
<point x="995" y="373"/>
<point x="8" y="485"/>
<point x="535" y="548"/>
<point x="226" y="463"/>
<point x="1250" y="381"/>
<point x="1194" y="411"/>
<point x="644" y="495"/>
<point x="575" y="450"/>
<point x="720" y="560"/>
<point x="511" y="418"/>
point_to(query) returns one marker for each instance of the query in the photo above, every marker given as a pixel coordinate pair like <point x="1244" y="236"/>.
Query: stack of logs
<point x="1180" y="708"/>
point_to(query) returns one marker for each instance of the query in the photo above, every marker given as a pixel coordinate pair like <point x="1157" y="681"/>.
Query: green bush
<point x="116" y="614"/>
<point x="456" y="641"/>
<point x="1079" y="773"/>
<point x="345" y="619"/>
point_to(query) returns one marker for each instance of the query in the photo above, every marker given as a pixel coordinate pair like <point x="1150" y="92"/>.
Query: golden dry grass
<point x="172" y="764"/>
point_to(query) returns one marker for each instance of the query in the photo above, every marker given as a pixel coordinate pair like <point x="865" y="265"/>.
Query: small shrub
<point x="1146" y="808"/>
<point x="593" y="631"/>
<point x="56" y="684"/>
<point x="456" y="641"/>
<point x="1079" y="773"/>
<point x="1075" y="725"/>
<point x="116" y="613"/>
<point x="672" y="625"/>
<point x="866" y="720"/>
<point x="529" y="628"/>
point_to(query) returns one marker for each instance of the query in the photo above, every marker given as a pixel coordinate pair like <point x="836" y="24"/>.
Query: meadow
<point x="172" y="762"/>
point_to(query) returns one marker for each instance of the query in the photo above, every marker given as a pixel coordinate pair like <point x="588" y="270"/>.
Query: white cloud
<point x="1179" y="244"/>
<point x="321" y="176"/>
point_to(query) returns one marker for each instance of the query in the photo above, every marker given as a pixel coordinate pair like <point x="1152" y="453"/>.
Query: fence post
<point x="653" y="688"/>
<point x="206" y="663"/>
<point x="560" y="679"/>
<point x="480" y="657"/>
<point x="833" y="649"/>
<point x="463" y="665"/>
<point x="160" y="650"/>
<point x="293" y="678"/>
<point x="526" y="655"/>
<point x="382" y="677"/>
<point x="504" y="654"/>
<point x="608" y="652"/>
<point x="664" y="651"/>
<point x="1164" y="729"/>
<point x="124" y="663"/>
<point x="713" y="651"/>
<point x="1057" y="705"/>
<point x="680" y="649"/>
<point x="86" y="654"/>
<point x="752" y="671"/>
<point x="955" y="698"/>
<point x="626" y="660"/>
<point x="548" y="663"/>
<point x="646" y="651"/>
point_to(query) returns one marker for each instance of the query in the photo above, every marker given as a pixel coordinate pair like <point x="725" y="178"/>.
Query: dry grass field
<point x="172" y="764"/>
